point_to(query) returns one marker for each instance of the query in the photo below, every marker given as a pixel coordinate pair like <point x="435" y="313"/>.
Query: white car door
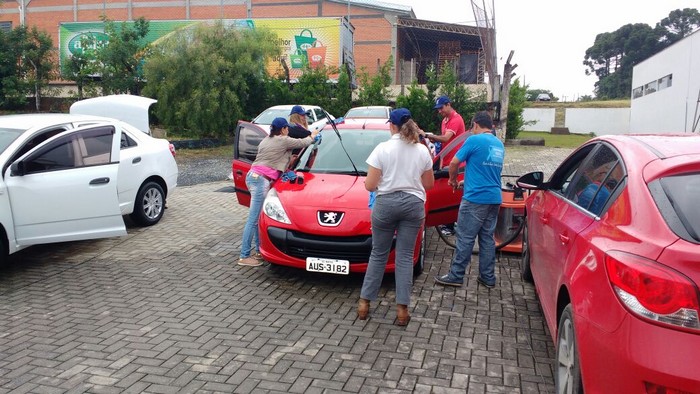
<point x="66" y="188"/>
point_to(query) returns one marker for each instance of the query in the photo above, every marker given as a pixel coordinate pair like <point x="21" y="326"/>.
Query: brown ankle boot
<point x="362" y="309"/>
<point x="402" y="316"/>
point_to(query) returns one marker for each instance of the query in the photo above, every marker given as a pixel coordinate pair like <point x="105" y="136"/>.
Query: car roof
<point x="29" y="121"/>
<point x="663" y="145"/>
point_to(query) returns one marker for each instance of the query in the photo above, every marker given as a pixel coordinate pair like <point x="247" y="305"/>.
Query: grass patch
<point x="223" y="150"/>
<point x="556" y="140"/>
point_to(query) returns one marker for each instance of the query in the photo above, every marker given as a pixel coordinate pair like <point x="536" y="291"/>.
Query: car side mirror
<point x="531" y="181"/>
<point x="17" y="169"/>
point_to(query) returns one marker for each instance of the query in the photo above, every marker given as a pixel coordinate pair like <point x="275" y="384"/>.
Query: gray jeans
<point x="397" y="213"/>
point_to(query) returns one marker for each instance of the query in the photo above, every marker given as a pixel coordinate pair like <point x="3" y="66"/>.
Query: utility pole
<point x="23" y="11"/>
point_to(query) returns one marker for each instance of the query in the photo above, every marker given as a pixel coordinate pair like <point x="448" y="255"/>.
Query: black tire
<point x="149" y="205"/>
<point x="567" y="373"/>
<point x="525" y="269"/>
<point x="4" y="253"/>
<point x="420" y="264"/>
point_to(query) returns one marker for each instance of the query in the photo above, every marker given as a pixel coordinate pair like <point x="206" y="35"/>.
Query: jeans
<point x="258" y="186"/>
<point x="472" y="220"/>
<point x="397" y="213"/>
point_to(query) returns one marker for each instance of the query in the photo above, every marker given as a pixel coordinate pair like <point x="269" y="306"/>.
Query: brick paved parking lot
<point x="165" y="309"/>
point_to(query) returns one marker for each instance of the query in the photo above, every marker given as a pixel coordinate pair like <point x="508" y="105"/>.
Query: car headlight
<point x="272" y="206"/>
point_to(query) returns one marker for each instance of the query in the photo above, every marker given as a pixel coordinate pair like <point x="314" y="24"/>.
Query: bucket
<point x="316" y="55"/>
<point x="298" y="59"/>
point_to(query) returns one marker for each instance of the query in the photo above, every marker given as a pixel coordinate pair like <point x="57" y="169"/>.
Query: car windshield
<point x="270" y="114"/>
<point x="380" y="113"/>
<point x="328" y="156"/>
<point x="682" y="190"/>
<point x="7" y="136"/>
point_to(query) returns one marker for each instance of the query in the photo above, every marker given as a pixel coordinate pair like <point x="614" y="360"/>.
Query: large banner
<point x="303" y="41"/>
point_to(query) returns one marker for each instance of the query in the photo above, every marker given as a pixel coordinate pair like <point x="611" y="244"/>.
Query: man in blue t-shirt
<point x="483" y="154"/>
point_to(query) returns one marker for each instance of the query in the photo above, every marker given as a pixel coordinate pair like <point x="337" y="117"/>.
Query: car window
<point x="330" y="156"/>
<point x="380" y="113"/>
<point x="564" y="175"/>
<point x="675" y="196"/>
<point x="319" y="114"/>
<point x="596" y="179"/>
<point x="7" y="136"/>
<point x="127" y="142"/>
<point x="248" y="138"/>
<point x="85" y="148"/>
<point x="267" y="116"/>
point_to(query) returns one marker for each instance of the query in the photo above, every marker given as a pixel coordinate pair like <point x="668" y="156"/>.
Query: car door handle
<point x="544" y="219"/>
<point x="239" y="173"/>
<point x="563" y="238"/>
<point x="99" y="181"/>
<point x="136" y="160"/>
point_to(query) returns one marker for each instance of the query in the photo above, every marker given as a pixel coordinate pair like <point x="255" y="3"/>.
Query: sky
<point x="550" y="37"/>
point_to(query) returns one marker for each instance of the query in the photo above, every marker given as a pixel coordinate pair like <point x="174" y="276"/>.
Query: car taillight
<point x="172" y="149"/>
<point x="652" y="290"/>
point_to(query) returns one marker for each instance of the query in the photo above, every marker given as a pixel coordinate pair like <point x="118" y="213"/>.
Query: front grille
<point x="355" y="249"/>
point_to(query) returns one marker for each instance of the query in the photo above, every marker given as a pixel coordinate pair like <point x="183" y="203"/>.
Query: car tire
<point x="525" y="269"/>
<point x="149" y="205"/>
<point x="420" y="264"/>
<point x="4" y="253"/>
<point x="567" y="378"/>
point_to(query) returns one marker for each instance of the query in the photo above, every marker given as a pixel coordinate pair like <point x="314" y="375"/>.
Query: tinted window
<point x="89" y="147"/>
<point x="678" y="205"/>
<point x="596" y="179"/>
<point x="270" y="114"/>
<point x="248" y="139"/>
<point x="329" y="156"/>
<point x="127" y="142"/>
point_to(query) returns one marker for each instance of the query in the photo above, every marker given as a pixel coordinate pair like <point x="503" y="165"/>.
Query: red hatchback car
<point x="613" y="245"/>
<point x="321" y="221"/>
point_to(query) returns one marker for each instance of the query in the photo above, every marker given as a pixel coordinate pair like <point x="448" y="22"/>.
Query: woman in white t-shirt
<point x="400" y="171"/>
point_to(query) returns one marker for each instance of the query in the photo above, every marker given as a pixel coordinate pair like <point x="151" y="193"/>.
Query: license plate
<point x="328" y="266"/>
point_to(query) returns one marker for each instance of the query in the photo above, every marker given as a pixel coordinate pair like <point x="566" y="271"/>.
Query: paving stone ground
<point x="165" y="309"/>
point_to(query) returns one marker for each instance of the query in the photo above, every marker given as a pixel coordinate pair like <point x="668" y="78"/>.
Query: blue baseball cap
<point x="279" y="124"/>
<point x="399" y="116"/>
<point x="298" y="109"/>
<point x="440" y="101"/>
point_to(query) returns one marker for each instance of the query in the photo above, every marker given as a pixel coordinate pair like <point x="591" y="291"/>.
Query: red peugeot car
<point x="321" y="221"/>
<point x="613" y="245"/>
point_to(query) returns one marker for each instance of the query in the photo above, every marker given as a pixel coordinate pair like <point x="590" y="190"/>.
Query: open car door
<point x="245" y="149"/>
<point x="442" y="202"/>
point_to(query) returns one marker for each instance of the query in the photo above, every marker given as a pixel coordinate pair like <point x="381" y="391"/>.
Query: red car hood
<point x="345" y="194"/>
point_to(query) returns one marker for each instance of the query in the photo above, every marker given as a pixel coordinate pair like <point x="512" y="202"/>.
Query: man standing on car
<point x="451" y="126"/>
<point x="483" y="154"/>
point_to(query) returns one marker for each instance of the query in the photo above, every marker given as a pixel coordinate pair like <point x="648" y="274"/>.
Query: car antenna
<point x="332" y="122"/>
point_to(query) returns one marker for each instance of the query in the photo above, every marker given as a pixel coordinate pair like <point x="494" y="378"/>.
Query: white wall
<point x="543" y="118"/>
<point x="600" y="121"/>
<point x="673" y="109"/>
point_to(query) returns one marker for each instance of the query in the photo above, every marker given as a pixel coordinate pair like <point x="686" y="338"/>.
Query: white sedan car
<point x="315" y="115"/>
<point x="68" y="177"/>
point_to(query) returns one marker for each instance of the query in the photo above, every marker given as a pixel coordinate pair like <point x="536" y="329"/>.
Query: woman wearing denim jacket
<point x="400" y="171"/>
<point x="272" y="159"/>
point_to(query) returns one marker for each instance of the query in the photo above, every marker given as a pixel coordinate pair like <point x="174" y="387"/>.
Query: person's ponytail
<point x="410" y="132"/>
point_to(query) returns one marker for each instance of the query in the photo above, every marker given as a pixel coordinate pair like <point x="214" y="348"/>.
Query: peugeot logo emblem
<point x="330" y="218"/>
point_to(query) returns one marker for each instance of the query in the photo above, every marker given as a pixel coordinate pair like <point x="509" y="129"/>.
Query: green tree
<point x="202" y="78"/>
<point x="374" y="90"/>
<point x="38" y="61"/>
<point x="12" y="83"/>
<point x="516" y="105"/>
<point x="678" y="24"/>
<point x="343" y="94"/>
<point x="464" y="101"/>
<point x="122" y="58"/>
<point x="82" y="67"/>
<point x="420" y="106"/>
<point x="314" y="88"/>
<point x="613" y="56"/>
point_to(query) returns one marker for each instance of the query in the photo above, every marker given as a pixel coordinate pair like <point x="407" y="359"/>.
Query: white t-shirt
<point x="402" y="165"/>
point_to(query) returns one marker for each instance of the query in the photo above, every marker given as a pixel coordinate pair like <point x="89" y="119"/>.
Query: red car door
<point x="442" y="202"/>
<point x="245" y="149"/>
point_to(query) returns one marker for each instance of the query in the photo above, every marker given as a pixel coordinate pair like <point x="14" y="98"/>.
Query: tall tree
<point x="12" y="89"/>
<point x="374" y="90"/>
<point x="613" y="55"/>
<point x="201" y="78"/>
<point x="678" y="24"/>
<point x="82" y="66"/>
<point x="123" y="57"/>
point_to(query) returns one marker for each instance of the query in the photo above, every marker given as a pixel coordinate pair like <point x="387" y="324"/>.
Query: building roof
<point x="380" y="5"/>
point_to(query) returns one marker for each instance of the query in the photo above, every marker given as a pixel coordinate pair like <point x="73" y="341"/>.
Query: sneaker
<point x="483" y="282"/>
<point x="446" y="231"/>
<point x="258" y="256"/>
<point x="250" y="262"/>
<point x="447" y="281"/>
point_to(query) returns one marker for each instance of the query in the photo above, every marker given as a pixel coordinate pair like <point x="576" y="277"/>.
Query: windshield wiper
<point x="332" y="122"/>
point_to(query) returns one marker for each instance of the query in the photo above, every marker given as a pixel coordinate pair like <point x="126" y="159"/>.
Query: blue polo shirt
<point x="483" y="154"/>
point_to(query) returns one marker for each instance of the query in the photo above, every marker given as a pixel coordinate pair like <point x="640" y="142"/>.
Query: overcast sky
<point x="550" y="37"/>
